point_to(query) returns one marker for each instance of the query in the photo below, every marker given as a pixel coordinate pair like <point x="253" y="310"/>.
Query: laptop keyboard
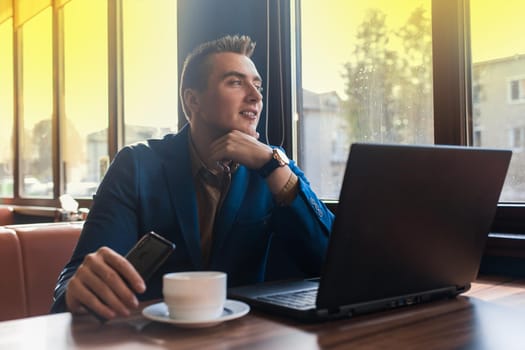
<point x="300" y="300"/>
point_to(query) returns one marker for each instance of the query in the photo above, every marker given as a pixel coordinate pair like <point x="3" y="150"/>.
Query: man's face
<point x="232" y="99"/>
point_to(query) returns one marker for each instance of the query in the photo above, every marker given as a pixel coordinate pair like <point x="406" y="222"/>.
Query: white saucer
<point x="232" y="309"/>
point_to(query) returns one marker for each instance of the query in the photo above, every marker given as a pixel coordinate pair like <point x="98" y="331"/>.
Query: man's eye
<point x="235" y="82"/>
<point x="260" y="89"/>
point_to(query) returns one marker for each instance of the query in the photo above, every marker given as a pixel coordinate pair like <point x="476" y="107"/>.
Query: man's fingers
<point x="241" y="148"/>
<point x="80" y="298"/>
<point x="102" y="284"/>
<point x="120" y="275"/>
<point x="124" y="268"/>
<point x="99" y="294"/>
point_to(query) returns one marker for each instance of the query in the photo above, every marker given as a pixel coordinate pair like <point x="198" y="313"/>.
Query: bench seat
<point x="31" y="258"/>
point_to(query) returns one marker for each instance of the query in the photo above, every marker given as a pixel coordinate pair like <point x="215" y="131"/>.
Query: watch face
<point x="281" y="157"/>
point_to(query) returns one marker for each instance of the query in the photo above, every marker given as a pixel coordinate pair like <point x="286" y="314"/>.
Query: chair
<point x="7" y="216"/>
<point x="13" y="291"/>
<point x="45" y="249"/>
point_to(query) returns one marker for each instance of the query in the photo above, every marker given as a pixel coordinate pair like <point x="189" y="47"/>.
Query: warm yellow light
<point x="497" y="29"/>
<point x="328" y="31"/>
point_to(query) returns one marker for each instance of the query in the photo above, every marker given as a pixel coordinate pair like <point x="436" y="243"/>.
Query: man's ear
<point x="191" y="100"/>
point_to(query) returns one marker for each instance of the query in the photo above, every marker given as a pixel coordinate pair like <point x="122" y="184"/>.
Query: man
<point x="228" y="201"/>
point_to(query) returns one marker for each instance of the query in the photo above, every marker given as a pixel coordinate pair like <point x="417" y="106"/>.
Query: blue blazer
<point x="149" y="187"/>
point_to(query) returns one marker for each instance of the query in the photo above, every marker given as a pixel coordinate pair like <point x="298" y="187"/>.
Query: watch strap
<point x="271" y="165"/>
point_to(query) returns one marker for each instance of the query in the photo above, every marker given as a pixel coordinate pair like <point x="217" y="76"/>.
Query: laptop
<point x="410" y="227"/>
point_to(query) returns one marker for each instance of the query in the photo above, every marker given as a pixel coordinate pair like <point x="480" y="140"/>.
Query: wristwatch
<point x="279" y="159"/>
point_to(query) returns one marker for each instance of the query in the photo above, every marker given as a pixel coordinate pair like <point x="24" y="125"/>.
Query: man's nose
<point x="254" y="95"/>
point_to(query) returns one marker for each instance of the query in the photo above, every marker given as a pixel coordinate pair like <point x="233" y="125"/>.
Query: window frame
<point x="115" y="106"/>
<point x="452" y="79"/>
<point x="452" y="86"/>
<point x="520" y="82"/>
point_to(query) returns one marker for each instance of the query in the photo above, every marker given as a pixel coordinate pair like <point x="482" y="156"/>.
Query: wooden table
<point x="490" y="316"/>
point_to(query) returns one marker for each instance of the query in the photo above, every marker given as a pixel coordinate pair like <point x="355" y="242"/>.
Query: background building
<point x="498" y="108"/>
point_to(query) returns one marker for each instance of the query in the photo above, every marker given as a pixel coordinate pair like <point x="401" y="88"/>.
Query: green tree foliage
<point x="416" y="64"/>
<point x="389" y="91"/>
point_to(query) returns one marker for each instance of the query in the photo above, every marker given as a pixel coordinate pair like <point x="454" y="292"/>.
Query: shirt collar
<point x="198" y="165"/>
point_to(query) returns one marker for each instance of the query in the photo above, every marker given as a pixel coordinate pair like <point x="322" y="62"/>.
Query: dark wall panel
<point x="203" y="20"/>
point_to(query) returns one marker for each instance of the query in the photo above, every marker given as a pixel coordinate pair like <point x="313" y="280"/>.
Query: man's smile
<point x="252" y="114"/>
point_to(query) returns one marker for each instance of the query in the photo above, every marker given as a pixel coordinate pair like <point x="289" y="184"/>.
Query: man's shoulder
<point x="163" y="147"/>
<point x="154" y="144"/>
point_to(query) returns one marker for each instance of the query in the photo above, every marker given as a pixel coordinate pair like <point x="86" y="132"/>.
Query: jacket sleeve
<point x="112" y="220"/>
<point x="302" y="230"/>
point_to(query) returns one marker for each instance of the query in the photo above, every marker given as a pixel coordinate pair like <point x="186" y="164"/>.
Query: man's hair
<point x="197" y="67"/>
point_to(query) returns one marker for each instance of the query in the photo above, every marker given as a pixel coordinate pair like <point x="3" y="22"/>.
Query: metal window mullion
<point x="279" y="104"/>
<point x="58" y="102"/>
<point x="451" y="67"/>
<point x="297" y="87"/>
<point x="115" y="81"/>
<point x="18" y="108"/>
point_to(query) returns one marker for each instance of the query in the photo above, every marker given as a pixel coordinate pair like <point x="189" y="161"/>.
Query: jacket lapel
<point x="177" y="168"/>
<point x="230" y="207"/>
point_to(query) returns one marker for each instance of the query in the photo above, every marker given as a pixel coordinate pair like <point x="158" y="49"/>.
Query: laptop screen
<point x="410" y="219"/>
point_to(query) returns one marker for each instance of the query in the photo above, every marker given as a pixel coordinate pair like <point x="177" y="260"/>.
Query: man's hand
<point x="104" y="283"/>
<point x="242" y="148"/>
<point x="245" y="149"/>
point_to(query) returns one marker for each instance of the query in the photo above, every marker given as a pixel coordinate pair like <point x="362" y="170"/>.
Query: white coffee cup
<point x="194" y="295"/>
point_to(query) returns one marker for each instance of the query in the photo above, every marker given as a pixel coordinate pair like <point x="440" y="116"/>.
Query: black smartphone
<point x="146" y="256"/>
<point x="149" y="253"/>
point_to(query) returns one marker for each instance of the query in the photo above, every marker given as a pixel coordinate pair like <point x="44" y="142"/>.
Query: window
<point x="433" y="90"/>
<point x="476" y="94"/>
<point x="84" y="123"/>
<point x="150" y="69"/>
<point x="477" y="140"/>
<point x="516" y="138"/>
<point x="87" y="77"/>
<point x="498" y="66"/>
<point x="6" y="108"/>
<point x="517" y="90"/>
<point x="366" y="76"/>
<point x="36" y="107"/>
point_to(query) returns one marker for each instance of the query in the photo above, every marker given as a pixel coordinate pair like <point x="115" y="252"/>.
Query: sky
<point x="497" y="28"/>
<point x="328" y="30"/>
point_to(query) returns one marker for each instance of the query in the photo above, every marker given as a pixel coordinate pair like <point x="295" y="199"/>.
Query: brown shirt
<point x="211" y="187"/>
